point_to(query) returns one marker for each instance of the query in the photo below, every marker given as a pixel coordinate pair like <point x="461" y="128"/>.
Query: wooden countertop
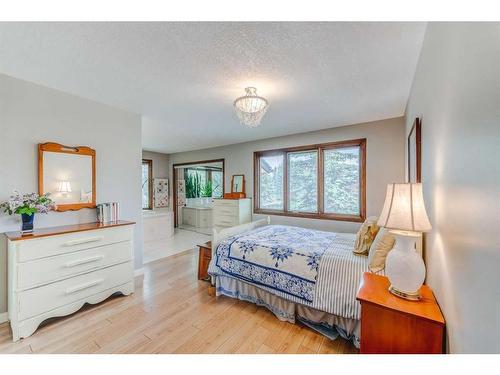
<point x="374" y="289"/>
<point x="52" y="231"/>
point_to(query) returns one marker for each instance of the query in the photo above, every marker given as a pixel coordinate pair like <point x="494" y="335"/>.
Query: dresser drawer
<point x="46" y="270"/>
<point x="226" y="202"/>
<point x="45" y="298"/>
<point x="226" y="210"/>
<point x="61" y="244"/>
<point x="225" y="220"/>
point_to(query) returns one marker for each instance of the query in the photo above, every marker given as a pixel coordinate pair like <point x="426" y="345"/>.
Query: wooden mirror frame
<point x="232" y="184"/>
<point x="78" y="150"/>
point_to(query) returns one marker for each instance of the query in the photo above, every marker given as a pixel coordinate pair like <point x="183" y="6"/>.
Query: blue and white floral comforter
<point x="282" y="258"/>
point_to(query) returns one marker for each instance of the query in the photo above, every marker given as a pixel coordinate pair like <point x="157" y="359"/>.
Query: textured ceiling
<point x="183" y="77"/>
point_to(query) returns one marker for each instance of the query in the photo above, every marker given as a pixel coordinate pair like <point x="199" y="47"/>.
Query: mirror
<point x="238" y="183"/>
<point x="68" y="174"/>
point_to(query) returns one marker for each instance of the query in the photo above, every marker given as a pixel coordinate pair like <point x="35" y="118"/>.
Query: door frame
<point x="174" y="179"/>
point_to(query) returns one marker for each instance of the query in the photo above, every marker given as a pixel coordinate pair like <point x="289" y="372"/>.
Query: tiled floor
<point x="181" y="241"/>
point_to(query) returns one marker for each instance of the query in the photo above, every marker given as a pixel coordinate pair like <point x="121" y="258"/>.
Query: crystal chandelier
<point x="251" y="107"/>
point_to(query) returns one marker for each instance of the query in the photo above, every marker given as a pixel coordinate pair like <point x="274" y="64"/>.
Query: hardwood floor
<point x="171" y="312"/>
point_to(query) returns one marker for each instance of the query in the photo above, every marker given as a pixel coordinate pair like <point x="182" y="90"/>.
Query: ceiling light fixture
<point x="251" y="107"/>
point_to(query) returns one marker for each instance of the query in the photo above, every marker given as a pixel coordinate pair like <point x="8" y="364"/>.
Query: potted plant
<point x="27" y="205"/>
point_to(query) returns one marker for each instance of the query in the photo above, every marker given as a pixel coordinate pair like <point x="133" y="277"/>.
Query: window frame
<point x="320" y="148"/>
<point x="149" y="163"/>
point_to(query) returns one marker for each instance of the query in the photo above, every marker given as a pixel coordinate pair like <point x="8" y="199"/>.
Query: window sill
<point x="304" y="215"/>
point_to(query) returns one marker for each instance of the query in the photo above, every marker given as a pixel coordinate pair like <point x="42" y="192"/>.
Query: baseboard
<point x="139" y="272"/>
<point x="4" y="317"/>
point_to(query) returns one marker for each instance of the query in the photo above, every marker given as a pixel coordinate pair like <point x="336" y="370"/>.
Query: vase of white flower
<point x="27" y="205"/>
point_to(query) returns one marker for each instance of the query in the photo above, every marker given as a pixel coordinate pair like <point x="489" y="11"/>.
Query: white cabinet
<point x="55" y="271"/>
<point x="231" y="212"/>
<point x="157" y="225"/>
<point x="197" y="217"/>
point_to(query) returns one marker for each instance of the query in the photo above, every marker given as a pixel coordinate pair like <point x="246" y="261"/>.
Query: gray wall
<point x="385" y="155"/>
<point x="456" y="92"/>
<point x="160" y="163"/>
<point x="31" y="114"/>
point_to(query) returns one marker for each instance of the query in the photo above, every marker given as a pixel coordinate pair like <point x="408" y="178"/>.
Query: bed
<point x="297" y="273"/>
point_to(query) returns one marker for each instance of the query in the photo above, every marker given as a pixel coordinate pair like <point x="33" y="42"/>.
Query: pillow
<point x="366" y="235"/>
<point x="383" y="243"/>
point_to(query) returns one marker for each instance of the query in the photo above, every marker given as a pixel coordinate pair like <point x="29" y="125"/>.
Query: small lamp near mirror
<point x="237" y="187"/>
<point x="64" y="188"/>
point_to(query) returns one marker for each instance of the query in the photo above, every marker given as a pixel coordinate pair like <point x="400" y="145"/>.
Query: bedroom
<point x="267" y="187"/>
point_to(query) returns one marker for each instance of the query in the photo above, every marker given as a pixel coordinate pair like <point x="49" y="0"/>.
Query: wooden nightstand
<point x="204" y="258"/>
<point x="390" y="324"/>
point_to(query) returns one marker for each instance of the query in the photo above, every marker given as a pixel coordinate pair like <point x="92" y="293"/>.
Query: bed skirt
<point x="327" y="324"/>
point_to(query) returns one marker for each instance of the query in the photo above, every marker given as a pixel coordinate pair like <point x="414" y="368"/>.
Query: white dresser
<point x="55" y="271"/>
<point x="231" y="212"/>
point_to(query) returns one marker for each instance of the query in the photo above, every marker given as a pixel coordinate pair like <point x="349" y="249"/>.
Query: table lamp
<point x="64" y="188"/>
<point x="405" y="216"/>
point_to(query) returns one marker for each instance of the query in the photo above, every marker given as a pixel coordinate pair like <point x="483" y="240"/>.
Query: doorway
<point x="196" y="185"/>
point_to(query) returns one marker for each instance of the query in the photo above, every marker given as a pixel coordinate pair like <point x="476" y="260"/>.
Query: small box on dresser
<point x="54" y="271"/>
<point x="392" y="325"/>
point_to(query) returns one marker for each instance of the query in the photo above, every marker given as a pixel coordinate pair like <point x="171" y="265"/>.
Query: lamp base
<point x="415" y="296"/>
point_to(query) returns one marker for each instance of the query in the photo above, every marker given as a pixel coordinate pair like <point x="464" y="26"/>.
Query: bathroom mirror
<point x="68" y="174"/>
<point x="238" y="183"/>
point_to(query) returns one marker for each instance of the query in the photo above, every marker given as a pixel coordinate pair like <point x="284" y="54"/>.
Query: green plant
<point x="193" y="186"/>
<point x="206" y="190"/>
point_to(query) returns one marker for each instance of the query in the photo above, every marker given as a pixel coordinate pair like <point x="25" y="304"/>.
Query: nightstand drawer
<point x="392" y="325"/>
<point x="386" y="331"/>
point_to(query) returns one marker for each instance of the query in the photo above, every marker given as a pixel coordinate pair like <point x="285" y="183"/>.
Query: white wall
<point x="31" y="114"/>
<point x="456" y="92"/>
<point x="160" y="163"/>
<point x="385" y="155"/>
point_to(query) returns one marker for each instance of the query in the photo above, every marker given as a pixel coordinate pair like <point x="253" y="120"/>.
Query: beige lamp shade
<point x="64" y="187"/>
<point x="404" y="209"/>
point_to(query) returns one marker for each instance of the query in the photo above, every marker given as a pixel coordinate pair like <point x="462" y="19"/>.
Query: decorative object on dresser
<point x="415" y="152"/>
<point x="237" y="187"/>
<point x="107" y="212"/>
<point x="404" y="214"/>
<point x="27" y="205"/>
<point x="160" y="192"/>
<point x="204" y="258"/>
<point x="231" y="212"/>
<point x="54" y="271"/>
<point x="391" y="325"/>
<point x="68" y="174"/>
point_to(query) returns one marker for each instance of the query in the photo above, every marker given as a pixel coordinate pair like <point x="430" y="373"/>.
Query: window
<point x="303" y="181"/>
<point x="323" y="181"/>
<point x="271" y="182"/>
<point x="147" y="184"/>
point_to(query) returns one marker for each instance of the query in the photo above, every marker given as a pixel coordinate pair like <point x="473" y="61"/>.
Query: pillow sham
<point x="365" y="236"/>
<point x="383" y="243"/>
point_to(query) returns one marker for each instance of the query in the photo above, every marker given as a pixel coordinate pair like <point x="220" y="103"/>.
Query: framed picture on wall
<point x="415" y="152"/>
<point x="161" y="192"/>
